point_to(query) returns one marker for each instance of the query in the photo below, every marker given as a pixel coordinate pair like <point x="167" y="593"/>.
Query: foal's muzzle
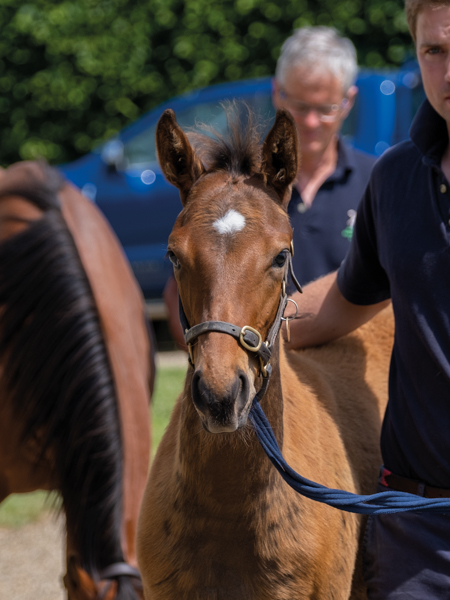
<point x="225" y="413"/>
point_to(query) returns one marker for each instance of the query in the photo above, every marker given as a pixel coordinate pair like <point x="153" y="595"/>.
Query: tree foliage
<point x="73" y="73"/>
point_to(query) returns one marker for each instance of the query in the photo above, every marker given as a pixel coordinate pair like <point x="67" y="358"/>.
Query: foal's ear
<point x="280" y="156"/>
<point x="178" y="161"/>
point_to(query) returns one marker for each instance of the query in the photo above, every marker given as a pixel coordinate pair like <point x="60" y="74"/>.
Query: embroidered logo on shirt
<point x="348" y="231"/>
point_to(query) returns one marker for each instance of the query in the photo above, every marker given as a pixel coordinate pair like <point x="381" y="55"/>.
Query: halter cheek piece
<point x="120" y="569"/>
<point x="248" y="337"/>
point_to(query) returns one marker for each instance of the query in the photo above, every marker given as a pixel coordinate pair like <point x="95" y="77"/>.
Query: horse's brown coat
<point x="121" y="311"/>
<point x="120" y="305"/>
<point x="217" y="521"/>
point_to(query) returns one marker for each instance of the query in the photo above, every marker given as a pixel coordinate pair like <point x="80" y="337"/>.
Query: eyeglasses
<point x="327" y="113"/>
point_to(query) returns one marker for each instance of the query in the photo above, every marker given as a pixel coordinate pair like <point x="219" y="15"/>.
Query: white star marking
<point x="232" y="222"/>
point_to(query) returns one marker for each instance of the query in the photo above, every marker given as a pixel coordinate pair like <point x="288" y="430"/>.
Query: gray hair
<point x="320" y="49"/>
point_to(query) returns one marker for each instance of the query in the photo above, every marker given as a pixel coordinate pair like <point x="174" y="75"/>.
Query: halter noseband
<point x="248" y="337"/>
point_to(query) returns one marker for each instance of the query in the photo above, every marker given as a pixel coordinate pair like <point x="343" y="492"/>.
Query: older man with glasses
<point x="314" y="81"/>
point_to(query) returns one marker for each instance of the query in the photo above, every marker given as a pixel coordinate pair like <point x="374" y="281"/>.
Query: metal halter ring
<point x="244" y="343"/>
<point x="290" y="317"/>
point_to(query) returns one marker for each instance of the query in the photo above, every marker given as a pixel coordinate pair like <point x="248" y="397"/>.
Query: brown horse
<point x="76" y="373"/>
<point x="217" y="521"/>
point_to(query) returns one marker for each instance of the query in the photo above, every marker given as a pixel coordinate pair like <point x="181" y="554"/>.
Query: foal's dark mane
<point x="56" y="367"/>
<point x="236" y="151"/>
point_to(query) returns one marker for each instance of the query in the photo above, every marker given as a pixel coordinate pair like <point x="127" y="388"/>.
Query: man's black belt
<point x="412" y="486"/>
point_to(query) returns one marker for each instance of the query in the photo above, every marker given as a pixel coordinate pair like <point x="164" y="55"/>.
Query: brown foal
<point x="217" y="521"/>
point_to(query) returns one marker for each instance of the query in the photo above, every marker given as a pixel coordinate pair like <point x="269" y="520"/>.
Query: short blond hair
<point x="413" y="8"/>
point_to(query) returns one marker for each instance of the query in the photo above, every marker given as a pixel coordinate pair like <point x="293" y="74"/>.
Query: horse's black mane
<point x="238" y="149"/>
<point x="56" y="369"/>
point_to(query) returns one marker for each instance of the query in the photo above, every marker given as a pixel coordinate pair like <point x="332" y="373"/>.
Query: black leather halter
<point x="121" y="569"/>
<point x="248" y="337"/>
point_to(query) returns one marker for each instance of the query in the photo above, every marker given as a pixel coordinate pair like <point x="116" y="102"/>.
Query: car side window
<point x="140" y="151"/>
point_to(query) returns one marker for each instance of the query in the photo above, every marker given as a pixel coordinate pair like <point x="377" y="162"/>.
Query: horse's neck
<point x="233" y="466"/>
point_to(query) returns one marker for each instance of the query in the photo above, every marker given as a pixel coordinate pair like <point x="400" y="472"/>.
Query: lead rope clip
<point x="290" y="318"/>
<point x="288" y="331"/>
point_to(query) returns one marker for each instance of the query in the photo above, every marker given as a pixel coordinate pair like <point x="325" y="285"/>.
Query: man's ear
<point x="275" y="93"/>
<point x="351" y="97"/>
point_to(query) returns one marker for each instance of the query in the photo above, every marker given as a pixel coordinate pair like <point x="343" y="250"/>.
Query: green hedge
<point x="72" y="73"/>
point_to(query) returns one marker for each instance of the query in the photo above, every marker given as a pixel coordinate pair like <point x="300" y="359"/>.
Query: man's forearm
<point x="326" y="314"/>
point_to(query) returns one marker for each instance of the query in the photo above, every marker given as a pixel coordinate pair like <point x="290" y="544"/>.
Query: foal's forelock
<point x="238" y="151"/>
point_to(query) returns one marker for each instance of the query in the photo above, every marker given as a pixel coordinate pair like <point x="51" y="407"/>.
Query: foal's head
<point x="229" y="246"/>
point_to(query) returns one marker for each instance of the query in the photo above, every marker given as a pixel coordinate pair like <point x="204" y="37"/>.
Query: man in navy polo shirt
<point x="401" y="251"/>
<point x="314" y="81"/>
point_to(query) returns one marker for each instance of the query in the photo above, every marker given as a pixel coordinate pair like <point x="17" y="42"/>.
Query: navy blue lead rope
<point x="377" y="504"/>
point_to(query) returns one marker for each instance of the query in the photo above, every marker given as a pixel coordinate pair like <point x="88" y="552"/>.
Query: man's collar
<point x="345" y="162"/>
<point x="429" y="133"/>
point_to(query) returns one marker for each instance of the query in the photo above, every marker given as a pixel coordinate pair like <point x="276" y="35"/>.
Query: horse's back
<point x="349" y="380"/>
<point x="121" y="311"/>
<point x="117" y="296"/>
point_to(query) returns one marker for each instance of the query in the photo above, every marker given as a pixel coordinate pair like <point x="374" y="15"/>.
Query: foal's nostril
<point x="207" y="399"/>
<point x="242" y="396"/>
<point x="197" y="397"/>
<point x="223" y="406"/>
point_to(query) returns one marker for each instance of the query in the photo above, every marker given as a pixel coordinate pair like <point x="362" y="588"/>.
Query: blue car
<point x="124" y="179"/>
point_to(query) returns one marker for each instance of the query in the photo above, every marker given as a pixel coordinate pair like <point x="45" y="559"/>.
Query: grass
<point x="19" y="509"/>
<point x="169" y="383"/>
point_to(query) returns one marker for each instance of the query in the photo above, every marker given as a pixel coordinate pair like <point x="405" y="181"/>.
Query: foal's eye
<point x="280" y="260"/>
<point x="173" y="259"/>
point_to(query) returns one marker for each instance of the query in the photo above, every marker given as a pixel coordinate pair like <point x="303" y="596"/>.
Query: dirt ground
<point x="31" y="561"/>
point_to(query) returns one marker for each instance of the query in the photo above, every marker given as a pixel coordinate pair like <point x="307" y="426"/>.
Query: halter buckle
<point x="244" y="343"/>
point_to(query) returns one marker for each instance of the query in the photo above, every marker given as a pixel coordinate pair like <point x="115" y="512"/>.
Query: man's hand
<point x="327" y="314"/>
